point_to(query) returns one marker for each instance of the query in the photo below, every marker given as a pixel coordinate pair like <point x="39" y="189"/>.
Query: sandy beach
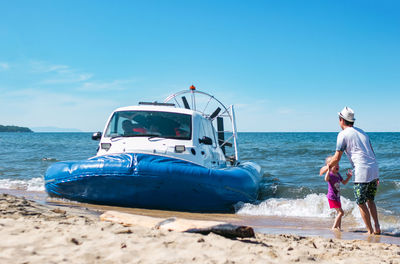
<point x="37" y="233"/>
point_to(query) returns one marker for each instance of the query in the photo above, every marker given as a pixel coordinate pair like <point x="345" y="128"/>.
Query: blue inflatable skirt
<point x="155" y="182"/>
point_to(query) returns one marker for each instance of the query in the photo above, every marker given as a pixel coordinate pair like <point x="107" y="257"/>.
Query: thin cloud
<point x="256" y="106"/>
<point x="4" y="66"/>
<point x="285" y="111"/>
<point x="116" y="85"/>
<point x="70" y="78"/>
<point x="45" y="67"/>
<point x="58" y="73"/>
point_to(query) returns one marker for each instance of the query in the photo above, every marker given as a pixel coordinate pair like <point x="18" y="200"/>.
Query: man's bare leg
<point x="366" y="217"/>
<point x="374" y="214"/>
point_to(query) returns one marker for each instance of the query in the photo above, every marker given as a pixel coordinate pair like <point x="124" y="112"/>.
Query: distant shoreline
<point x="15" y="129"/>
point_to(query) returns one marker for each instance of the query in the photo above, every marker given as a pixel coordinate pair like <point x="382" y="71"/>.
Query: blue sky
<point x="286" y="65"/>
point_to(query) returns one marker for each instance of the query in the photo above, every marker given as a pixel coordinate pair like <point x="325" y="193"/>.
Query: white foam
<point x="34" y="184"/>
<point x="316" y="206"/>
<point x="313" y="205"/>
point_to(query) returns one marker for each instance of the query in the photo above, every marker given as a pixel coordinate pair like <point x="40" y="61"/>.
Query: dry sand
<point x="35" y="233"/>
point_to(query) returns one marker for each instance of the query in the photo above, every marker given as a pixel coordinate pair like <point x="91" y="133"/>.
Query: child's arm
<point x="323" y="170"/>
<point x="327" y="176"/>
<point x="335" y="160"/>
<point x="348" y="174"/>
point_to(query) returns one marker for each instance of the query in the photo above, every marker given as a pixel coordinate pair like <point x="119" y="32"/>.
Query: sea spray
<point x="313" y="205"/>
<point x="34" y="184"/>
<point x="316" y="206"/>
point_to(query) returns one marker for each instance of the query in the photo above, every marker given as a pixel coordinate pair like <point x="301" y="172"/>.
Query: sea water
<point x="291" y="185"/>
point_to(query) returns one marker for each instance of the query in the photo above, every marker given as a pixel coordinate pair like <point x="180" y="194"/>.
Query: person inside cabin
<point x="141" y="125"/>
<point x="128" y="127"/>
<point x="159" y="125"/>
<point x="181" y="131"/>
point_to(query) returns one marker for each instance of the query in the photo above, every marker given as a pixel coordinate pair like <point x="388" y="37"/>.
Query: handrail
<point x="227" y="112"/>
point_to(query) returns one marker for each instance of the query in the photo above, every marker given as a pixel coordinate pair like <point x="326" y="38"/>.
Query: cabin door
<point x="209" y="149"/>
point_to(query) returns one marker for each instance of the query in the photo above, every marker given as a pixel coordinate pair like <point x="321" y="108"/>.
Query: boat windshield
<point x="150" y="124"/>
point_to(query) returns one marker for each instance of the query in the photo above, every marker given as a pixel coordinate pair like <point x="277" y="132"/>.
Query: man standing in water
<point x="357" y="146"/>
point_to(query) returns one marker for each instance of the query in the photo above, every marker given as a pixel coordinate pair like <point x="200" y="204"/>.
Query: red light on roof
<point x="192" y="88"/>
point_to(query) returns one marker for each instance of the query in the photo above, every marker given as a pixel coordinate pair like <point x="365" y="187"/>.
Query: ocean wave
<point x="34" y="184"/>
<point x="316" y="206"/>
<point x="391" y="226"/>
<point x="313" y="205"/>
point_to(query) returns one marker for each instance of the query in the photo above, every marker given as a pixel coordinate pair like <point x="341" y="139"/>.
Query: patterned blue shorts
<point x="365" y="191"/>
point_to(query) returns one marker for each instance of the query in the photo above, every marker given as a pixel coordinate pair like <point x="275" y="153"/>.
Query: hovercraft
<point x="163" y="156"/>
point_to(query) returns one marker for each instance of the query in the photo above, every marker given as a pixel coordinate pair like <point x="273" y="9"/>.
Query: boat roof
<point x="159" y="108"/>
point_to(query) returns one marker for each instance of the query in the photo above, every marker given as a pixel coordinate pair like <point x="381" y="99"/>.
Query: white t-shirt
<point x="357" y="146"/>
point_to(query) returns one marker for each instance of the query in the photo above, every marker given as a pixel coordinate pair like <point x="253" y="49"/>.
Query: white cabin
<point x="162" y="129"/>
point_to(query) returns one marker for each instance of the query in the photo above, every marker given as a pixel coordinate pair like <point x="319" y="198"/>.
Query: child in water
<point x="334" y="179"/>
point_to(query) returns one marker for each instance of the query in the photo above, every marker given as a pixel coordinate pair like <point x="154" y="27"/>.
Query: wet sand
<point x="58" y="232"/>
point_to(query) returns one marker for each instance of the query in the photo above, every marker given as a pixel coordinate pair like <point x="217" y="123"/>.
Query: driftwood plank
<point x="226" y="230"/>
<point x="178" y="224"/>
<point x="130" y="219"/>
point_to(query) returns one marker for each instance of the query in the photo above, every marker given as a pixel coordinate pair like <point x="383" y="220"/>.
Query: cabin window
<point x="150" y="124"/>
